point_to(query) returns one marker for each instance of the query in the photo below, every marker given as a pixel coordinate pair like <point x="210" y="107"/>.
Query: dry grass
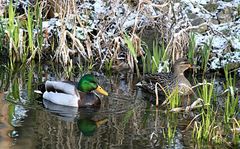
<point x="96" y="35"/>
<point x="108" y="43"/>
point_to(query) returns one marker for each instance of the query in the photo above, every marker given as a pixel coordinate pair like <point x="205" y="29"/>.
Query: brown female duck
<point x="169" y="81"/>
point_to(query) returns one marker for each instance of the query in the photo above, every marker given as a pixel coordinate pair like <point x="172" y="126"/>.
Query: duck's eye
<point x="94" y="82"/>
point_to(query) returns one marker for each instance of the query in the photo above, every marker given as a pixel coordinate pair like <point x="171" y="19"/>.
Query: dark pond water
<point x="126" y="119"/>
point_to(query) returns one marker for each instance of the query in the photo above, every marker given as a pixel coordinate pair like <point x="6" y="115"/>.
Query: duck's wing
<point x="61" y="87"/>
<point x="164" y="79"/>
<point x="61" y="98"/>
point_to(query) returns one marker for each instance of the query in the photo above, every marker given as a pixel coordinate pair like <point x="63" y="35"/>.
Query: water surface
<point x="126" y="118"/>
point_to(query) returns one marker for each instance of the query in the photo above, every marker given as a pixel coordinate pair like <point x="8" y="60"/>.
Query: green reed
<point x="155" y="59"/>
<point x="207" y="123"/>
<point x="13" y="31"/>
<point x="174" y="98"/>
<point x="35" y="15"/>
<point x="30" y="30"/>
<point x="133" y="62"/>
<point x="206" y="91"/>
<point x="231" y="102"/>
<point x="192" y="48"/>
<point x="108" y="65"/>
<point x="146" y="60"/>
<point x="38" y="18"/>
<point x="204" y="129"/>
<point x="205" y="53"/>
<point x="21" y="44"/>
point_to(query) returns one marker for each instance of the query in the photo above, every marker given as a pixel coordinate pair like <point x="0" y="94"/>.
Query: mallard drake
<point x="73" y="94"/>
<point x="169" y="81"/>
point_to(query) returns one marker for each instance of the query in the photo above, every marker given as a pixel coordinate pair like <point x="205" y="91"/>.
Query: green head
<point x="89" y="83"/>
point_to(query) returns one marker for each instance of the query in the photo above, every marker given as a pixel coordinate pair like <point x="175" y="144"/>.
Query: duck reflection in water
<point x="84" y="117"/>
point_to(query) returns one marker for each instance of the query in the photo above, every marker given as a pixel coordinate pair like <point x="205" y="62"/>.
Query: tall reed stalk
<point x="147" y="61"/>
<point x="231" y="102"/>
<point x="30" y="30"/>
<point x="108" y="64"/>
<point x="22" y="44"/>
<point x="156" y="59"/>
<point x="204" y="129"/>
<point x="192" y="48"/>
<point x="38" y="15"/>
<point x="13" y="31"/>
<point x="206" y="49"/>
<point x="132" y="57"/>
<point x="174" y="99"/>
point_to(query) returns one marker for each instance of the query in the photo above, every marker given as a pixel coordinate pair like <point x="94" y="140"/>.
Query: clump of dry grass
<point x="93" y="33"/>
<point x="105" y="41"/>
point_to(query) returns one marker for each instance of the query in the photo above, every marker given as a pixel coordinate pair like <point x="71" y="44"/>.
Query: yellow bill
<point x="100" y="90"/>
<point x="190" y="66"/>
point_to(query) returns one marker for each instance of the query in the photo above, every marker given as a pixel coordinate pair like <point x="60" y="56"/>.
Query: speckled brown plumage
<point x="169" y="81"/>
